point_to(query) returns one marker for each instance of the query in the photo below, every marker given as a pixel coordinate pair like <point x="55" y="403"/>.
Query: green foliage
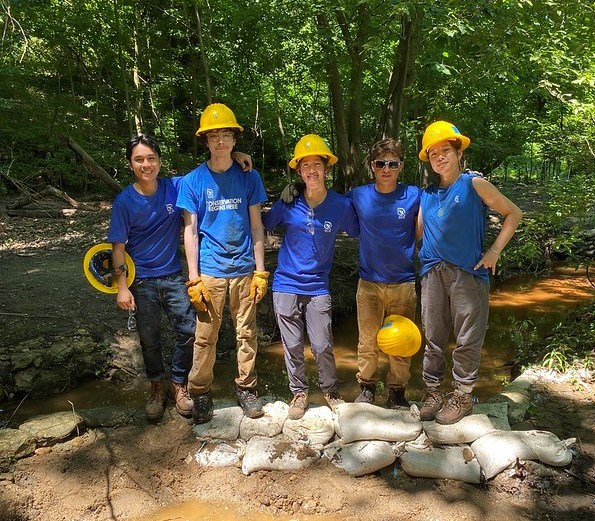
<point x="570" y="344"/>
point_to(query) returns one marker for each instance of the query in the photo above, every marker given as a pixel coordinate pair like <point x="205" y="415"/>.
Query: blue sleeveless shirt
<point x="453" y="226"/>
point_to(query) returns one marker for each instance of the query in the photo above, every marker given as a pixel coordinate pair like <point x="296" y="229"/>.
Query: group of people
<point x="223" y="228"/>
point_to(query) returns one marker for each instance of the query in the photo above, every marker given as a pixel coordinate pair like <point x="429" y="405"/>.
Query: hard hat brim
<point x="423" y="154"/>
<point x="332" y="159"/>
<point x="204" y="130"/>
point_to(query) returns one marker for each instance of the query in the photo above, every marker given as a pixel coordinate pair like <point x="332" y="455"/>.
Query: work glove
<point x="259" y="285"/>
<point x="291" y="191"/>
<point x="198" y="293"/>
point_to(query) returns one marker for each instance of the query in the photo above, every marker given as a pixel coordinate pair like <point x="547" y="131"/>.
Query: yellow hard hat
<point x="399" y="336"/>
<point x="216" y="116"/>
<point x="440" y="131"/>
<point x="312" y="145"/>
<point x="98" y="267"/>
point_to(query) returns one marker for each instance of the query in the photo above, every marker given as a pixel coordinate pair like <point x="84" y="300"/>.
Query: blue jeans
<point x="168" y="293"/>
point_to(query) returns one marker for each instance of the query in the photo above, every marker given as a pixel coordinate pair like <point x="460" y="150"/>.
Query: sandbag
<point x="316" y="428"/>
<point x="216" y="453"/>
<point x="271" y="424"/>
<point x="364" y="421"/>
<point x="448" y="462"/>
<point x="466" y="430"/>
<point x="360" y="458"/>
<point x="225" y="424"/>
<point x="498" y="450"/>
<point x="278" y="453"/>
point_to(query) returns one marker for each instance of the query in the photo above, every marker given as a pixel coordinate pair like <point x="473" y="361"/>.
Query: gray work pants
<point x="296" y="313"/>
<point x="452" y="296"/>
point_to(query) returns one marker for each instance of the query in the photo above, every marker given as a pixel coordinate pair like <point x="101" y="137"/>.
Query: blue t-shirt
<point x="454" y="222"/>
<point x="308" y="246"/>
<point x="150" y="227"/>
<point x="387" y="232"/>
<point x="221" y="202"/>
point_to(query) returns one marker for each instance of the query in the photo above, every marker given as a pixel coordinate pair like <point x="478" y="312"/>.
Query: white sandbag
<point x="362" y="457"/>
<point x="466" y="430"/>
<point x="497" y="412"/>
<point x="278" y="453"/>
<point x="216" y="453"/>
<point x="316" y="428"/>
<point x="271" y="424"/>
<point x="225" y="424"/>
<point x="447" y="462"/>
<point x="498" y="450"/>
<point x="364" y="421"/>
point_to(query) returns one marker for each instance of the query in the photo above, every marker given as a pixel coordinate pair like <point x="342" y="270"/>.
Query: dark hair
<point x="386" y="146"/>
<point x="145" y="139"/>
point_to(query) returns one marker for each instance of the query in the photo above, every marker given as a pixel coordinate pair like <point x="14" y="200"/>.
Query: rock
<point x="15" y="443"/>
<point x="109" y="416"/>
<point x="518" y="397"/>
<point x="52" y="427"/>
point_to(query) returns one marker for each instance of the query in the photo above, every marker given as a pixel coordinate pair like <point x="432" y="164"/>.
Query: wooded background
<point x="517" y="76"/>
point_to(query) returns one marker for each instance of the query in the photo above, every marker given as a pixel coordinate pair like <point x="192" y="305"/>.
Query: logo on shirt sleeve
<point x="170" y="208"/>
<point x="328" y="226"/>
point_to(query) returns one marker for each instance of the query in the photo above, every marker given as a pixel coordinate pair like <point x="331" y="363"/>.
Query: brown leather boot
<point x="458" y="406"/>
<point x="182" y="399"/>
<point x="156" y="404"/>
<point x="432" y="403"/>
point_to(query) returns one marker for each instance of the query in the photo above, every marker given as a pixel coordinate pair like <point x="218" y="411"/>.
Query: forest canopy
<point x="517" y="76"/>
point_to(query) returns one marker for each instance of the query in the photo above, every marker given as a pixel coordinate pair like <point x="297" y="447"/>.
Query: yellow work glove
<point x="259" y="285"/>
<point x="198" y="293"/>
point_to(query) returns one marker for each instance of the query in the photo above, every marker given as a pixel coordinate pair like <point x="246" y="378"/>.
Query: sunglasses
<point x="392" y="164"/>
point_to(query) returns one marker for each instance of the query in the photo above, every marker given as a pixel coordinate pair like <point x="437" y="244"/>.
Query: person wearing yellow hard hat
<point x="387" y="212"/>
<point x="455" y="267"/>
<point x="224" y="245"/>
<point x="301" y="297"/>
<point x="145" y="224"/>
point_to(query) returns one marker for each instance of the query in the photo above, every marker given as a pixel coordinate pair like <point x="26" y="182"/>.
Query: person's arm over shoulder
<point x="351" y="222"/>
<point x="274" y="217"/>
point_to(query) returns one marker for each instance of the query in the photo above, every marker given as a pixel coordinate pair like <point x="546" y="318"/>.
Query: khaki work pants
<point x="243" y="315"/>
<point x="375" y="301"/>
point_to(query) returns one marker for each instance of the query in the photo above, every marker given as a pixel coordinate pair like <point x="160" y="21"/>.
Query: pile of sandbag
<point x="361" y="438"/>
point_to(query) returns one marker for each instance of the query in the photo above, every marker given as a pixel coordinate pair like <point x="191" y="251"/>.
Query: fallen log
<point x="39" y="212"/>
<point x="92" y="167"/>
<point x="50" y="190"/>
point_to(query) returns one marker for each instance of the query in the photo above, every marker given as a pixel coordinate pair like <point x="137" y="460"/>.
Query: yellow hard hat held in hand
<point x="441" y="131"/>
<point x="399" y="336"/>
<point x="99" y="269"/>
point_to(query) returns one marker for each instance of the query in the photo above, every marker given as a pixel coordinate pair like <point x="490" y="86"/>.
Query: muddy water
<point x="207" y="511"/>
<point x="545" y="302"/>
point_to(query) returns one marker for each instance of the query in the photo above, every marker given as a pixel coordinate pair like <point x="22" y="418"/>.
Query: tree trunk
<point x="123" y="72"/>
<point x="392" y="113"/>
<point x="280" y="124"/>
<point x="90" y="164"/>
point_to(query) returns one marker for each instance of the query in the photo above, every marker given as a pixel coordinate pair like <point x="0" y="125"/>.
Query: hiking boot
<point x="249" y="402"/>
<point x="156" y="404"/>
<point x="396" y="398"/>
<point x="184" y="403"/>
<point x="202" y="409"/>
<point x="457" y="407"/>
<point x="333" y="399"/>
<point x="298" y="406"/>
<point x="367" y="394"/>
<point x="432" y="403"/>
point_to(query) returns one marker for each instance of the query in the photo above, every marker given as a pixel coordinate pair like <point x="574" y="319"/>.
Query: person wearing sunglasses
<point x="386" y="210"/>
<point x="454" y="272"/>
<point x="301" y="297"/>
